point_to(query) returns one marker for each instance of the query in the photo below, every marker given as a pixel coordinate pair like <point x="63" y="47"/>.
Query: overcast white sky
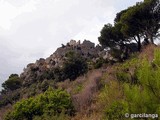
<point x="32" y="29"/>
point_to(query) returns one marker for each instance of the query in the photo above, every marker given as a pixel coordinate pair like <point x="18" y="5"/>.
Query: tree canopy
<point x="111" y="36"/>
<point x="74" y="66"/>
<point x="136" y="23"/>
<point x="12" y="83"/>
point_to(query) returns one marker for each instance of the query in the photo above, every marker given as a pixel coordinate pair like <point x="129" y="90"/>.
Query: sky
<point x="33" y="29"/>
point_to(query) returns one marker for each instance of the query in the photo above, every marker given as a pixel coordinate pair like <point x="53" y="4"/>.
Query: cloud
<point x="8" y="12"/>
<point x="30" y="29"/>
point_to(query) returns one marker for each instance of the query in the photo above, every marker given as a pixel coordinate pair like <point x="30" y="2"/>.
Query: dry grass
<point x="91" y="101"/>
<point x="85" y="100"/>
<point x="4" y="110"/>
<point x="94" y="116"/>
<point x="148" y="52"/>
<point x="71" y="86"/>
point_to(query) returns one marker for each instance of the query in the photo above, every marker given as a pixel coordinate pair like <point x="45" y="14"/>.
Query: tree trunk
<point x="139" y="43"/>
<point x="151" y="39"/>
<point x="150" y="36"/>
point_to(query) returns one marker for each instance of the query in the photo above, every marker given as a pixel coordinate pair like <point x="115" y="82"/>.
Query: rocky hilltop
<point x="38" y="70"/>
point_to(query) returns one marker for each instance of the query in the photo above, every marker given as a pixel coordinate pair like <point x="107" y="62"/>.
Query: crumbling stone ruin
<point x="35" y="71"/>
<point x="40" y="69"/>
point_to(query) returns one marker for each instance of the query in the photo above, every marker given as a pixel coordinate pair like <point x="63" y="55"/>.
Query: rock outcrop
<point x="39" y="69"/>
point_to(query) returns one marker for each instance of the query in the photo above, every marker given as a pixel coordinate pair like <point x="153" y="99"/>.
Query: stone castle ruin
<point x="36" y="70"/>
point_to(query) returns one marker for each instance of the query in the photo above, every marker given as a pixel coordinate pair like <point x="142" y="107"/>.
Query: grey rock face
<point x="35" y="71"/>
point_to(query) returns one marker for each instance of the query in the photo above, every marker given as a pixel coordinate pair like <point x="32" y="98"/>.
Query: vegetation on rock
<point x="81" y="81"/>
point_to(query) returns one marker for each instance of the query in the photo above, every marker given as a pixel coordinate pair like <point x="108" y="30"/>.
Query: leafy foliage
<point x="117" y="111"/>
<point x="13" y="83"/>
<point x="149" y="77"/>
<point x="140" y="21"/>
<point x="51" y="100"/>
<point x="111" y="36"/>
<point x="74" y="66"/>
<point x="99" y="63"/>
<point x="9" y="98"/>
<point x="142" y="97"/>
<point x="127" y="72"/>
<point x="51" y="116"/>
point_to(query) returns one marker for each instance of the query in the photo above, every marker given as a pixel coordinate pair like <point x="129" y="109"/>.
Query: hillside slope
<point x="80" y="81"/>
<point x="108" y="92"/>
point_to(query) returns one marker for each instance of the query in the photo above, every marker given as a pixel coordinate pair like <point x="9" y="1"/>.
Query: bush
<point x="123" y="76"/>
<point x="99" y="63"/>
<point x="74" y="66"/>
<point x="52" y="116"/>
<point x="141" y="97"/>
<point x="44" y="85"/>
<point x="78" y="88"/>
<point x="13" y="83"/>
<point x="117" y="111"/>
<point x="108" y="97"/>
<point x="127" y="72"/>
<point x="9" y="98"/>
<point x="51" y="100"/>
<point x="58" y="74"/>
<point x="116" y="54"/>
<point x="144" y="97"/>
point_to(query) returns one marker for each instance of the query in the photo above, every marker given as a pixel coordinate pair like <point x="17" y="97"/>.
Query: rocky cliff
<point x="40" y="69"/>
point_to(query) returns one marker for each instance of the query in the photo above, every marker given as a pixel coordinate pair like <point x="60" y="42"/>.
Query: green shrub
<point x="58" y="74"/>
<point x="99" y="63"/>
<point x="135" y="98"/>
<point x="144" y="97"/>
<point x="56" y="100"/>
<point x="116" y="111"/>
<point x="25" y="109"/>
<point x="156" y="59"/>
<point x="31" y="90"/>
<point x="127" y="72"/>
<point x="116" y="53"/>
<point x="109" y="94"/>
<point x="123" y="76"/>
<point x="74" y="66"/>
<point x="9" y="98"/>
<point x="51" y="100"/>
<point x="13" y="83"/>
<point x="78" y="88"/>
<point x="52" y="116"/>
<point x="44" y="85"/>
